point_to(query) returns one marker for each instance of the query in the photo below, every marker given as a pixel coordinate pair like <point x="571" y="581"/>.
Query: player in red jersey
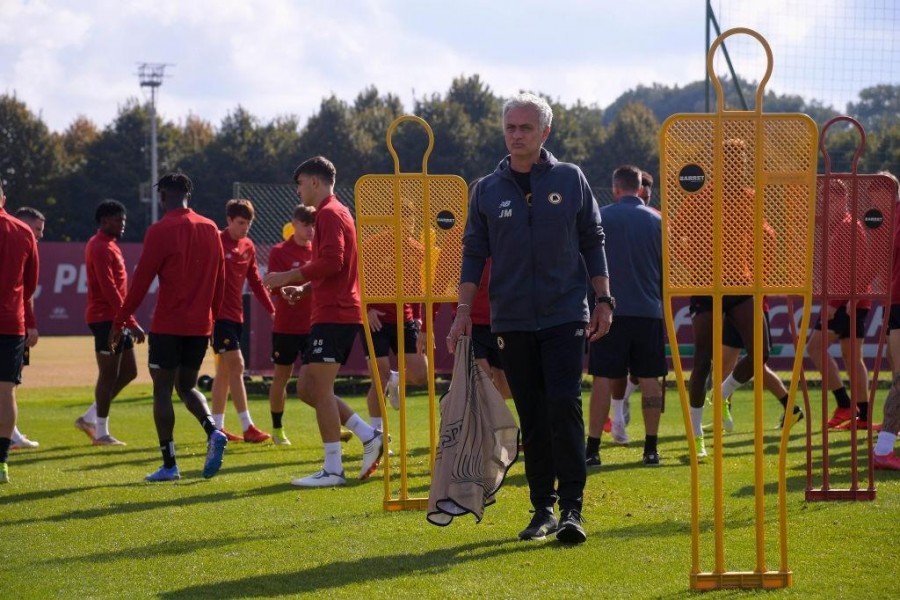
<point x="240" y="266"/>
<point x="107" y="283"/>
<point x="35" y="220"/>
<point x="290" y="331"/>
<point x="18" y="280"/>
<point x="335" y="319"/>
<point x="184" y="250"/>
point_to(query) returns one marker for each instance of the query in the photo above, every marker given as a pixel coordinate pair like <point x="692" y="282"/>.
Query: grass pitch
<point x="79" y="521"/>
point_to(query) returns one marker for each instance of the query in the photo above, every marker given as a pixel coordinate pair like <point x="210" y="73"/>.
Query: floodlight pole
<point x="151" y="76"/>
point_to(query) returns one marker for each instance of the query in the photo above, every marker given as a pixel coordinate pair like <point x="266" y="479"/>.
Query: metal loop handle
<point x="720" y="95"/>
<point x="390" y="144"/>
<point x="859" y="148"/>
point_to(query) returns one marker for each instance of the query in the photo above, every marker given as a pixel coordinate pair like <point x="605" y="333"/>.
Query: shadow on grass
<point x="167" y="548"/>
<point x="136" y="507"/>
<point x="668" y="528"/>
<point x="415" y="452"/>
<point x="310" y="465"/>
<point x="795" y="484"/>
<point x="57" y="493"/>
<point x="67" y="453"/>
<point x="723" y="593"/>
<point x="327" y="578"/>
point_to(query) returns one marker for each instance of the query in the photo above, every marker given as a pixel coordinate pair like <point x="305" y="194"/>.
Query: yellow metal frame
<point x="379" y="202"/>
<point x="679" y="280"/>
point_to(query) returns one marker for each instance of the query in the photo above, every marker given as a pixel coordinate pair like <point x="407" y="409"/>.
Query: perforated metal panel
<point x="397" y="254"/>
<point x="854" y="236"/>
<point x="737" y="201"/>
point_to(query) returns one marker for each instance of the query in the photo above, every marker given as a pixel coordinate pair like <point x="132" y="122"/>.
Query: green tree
<point x="370" y="118"/>
<point x="632" y="139"/>
<point x="243" y="149"/>
<point x="885" y="155"/>
<point x="878" y="107"/>
<point x="576" y="132"/>
<point x="665" y="101"/>
<point x="28" y="156"/>
<point x="329" y="133"/>
<point x="467" y="129"/>
<point x="74" y="142"/>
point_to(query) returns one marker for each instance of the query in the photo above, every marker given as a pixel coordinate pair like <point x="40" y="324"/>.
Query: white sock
<point x="697" y="421"/>
<point x="16" y="434"/>
<point x="246" y="421"/>
<point x="630" y="387"/>
<point x="618" y="407"/>
<point x="333" y="462"/>
<point x="102" y="428"/>
<point x="91" y="414"/>
<point x="885" y="443"/>
<point x="395" y="377"/>
<point x="219" y="420"/>
<point x="730" y="385"/>
<point x="376" y="423"/>
<point x="360" y="428"/>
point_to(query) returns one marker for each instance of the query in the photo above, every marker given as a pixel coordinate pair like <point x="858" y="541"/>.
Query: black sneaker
<point x="796" y="417"/>
<point x="570" y="530"/>
<point x="593" y="460"/>
<point x="651" y="459"/>
<point x="542" y="523"/>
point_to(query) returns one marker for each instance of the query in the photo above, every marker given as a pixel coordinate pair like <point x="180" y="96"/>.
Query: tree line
<point x="65" y="174"/>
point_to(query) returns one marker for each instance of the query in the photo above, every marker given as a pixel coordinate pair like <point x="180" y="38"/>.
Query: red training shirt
<point x="480" y="311"/>
<point x="107" y="279"/>
<point x="19" y="265"/>
<point x="333" y="269"/>
<point x="185" y="251"/>
<point x="290" y="318"/>
<point x="240" y="266"/>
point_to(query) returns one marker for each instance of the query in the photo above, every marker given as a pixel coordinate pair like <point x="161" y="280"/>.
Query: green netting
<point x="274" y="203"/>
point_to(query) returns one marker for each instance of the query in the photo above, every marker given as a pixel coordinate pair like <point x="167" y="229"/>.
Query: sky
<point x="66" y="58"/>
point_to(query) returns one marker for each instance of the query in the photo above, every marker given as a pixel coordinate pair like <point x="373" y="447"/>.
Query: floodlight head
<point x="151" y="74"/>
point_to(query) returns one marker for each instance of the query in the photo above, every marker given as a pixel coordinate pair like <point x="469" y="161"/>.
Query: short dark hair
<point x="175" y="182"/>
<point x="317" y="166"/>
<point x="627" y="178"/>
<point x="32" y="214"/>
<point x="304" y="214"/>
<point x="239" y="207"/>
<point x="108" y="208"/>
<point x="646" y="179"/>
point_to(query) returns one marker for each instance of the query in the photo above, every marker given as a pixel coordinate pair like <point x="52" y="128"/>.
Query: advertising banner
<point x="62" y="295"/>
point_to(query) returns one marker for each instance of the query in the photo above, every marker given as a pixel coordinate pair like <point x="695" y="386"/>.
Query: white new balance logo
<point x="506" y="212"/>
